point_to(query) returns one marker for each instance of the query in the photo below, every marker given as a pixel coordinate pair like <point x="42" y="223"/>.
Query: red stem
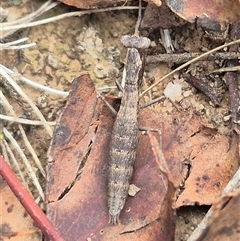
<point x="28" y="202"/>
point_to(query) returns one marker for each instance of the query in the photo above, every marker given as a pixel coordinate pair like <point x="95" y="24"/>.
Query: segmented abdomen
<point x="122" y="155"/>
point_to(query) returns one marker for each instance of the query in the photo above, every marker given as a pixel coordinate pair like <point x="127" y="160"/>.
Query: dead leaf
<point x="78" y="208"/>
<point x="99" y="3"/>
<point x="155" y="2"/>
<point x="86" y="4"/>
<point x="225" y="224"/>
<point x="77" y="168"/>
<point x="73" y="136"/>
<point x="212" y="166"/>
<point x="168" y="211"/>
<point x="155" y="17"/>
<point x="16" y="224"/>
<point x="210" y="13"/>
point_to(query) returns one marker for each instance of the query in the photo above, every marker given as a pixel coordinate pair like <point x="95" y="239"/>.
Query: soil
<point x="91" y="43"/>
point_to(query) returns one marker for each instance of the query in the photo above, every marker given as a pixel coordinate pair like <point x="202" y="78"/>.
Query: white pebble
<point x="173" y="91"/>
<point x="187" y="93"/>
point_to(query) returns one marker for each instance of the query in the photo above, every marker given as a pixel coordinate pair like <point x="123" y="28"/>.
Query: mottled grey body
<point x="124" y="137"/>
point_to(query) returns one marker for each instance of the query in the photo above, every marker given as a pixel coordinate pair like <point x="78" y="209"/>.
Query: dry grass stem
<point x="227" y="69"/>
<point x="61" y="16"/>
<point x="188" y="63"/>
<point x="25" y="139"/>
<point x="31" y="172"/>
<point x="13" y="160"/>
<point x="28" y="100"/>
<point x="36" y="85"/>
<point x="4" y="151"/>
<point x="25" y="121"/>
<point x="45" y="7"/>
<point x="13" y="44"/>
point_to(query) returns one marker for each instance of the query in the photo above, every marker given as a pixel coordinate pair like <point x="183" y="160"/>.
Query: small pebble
<point x="187" y="93"/>
<point x="99" y="71"/>
<point x="175" y="76"/>
<point x="173" y="91"/>
<point x="185" y="104"/>
<point x="133" y="190"/>
<point x="207" y="112"/>
<point x="226" y="118"/>
<point x="153" y="44"/>
<point x="201" y="107"/>
<point x="210" y="103"/>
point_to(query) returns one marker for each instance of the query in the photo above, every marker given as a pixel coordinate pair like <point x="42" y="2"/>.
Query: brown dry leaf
<point x="213" y="12"/>
<point x="73" y="136"/>
<point x="225" y="224"/>
<point x="77" y="168"/>
<point x="199" y="158"/>
<point x="158" y="3"/>
<point x="16" y="224"/>
<point x="212" y="166"/>
<point x="155" y="17"/>
<point x="88" y="4"/>
<point x="79" y="208"/>
<point x="168" y="211"/>
<point x="99" y="3"/>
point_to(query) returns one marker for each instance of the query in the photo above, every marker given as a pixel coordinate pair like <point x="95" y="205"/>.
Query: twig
<point x="104" y="88"/>
<point x="25" y="96"/>
<point x="28" y="203"/>
<point x="26" y="162"/>
<point x="4" y="149"/>
<point x="48" y="89"/>
<point x="136" y="32"/>
<point x="12" y="45"/>
<point x="24" y="136"/>
<point x="184" y="57"/>
<point x="24" y="46"/>
<point x="62" y="16"/>
<point x="45" y="7"/>
<point x="25" y="121"/>
<point x="166" y="40"/>
<point x="13" y="160"/>
<point x="227" y="69"/>
<point x="188" y="63"/>
<point x="203" y="87"/>
<point x="156" y="100"/>
<point x="36" y="85"/>
<point x="231" y="79"/>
